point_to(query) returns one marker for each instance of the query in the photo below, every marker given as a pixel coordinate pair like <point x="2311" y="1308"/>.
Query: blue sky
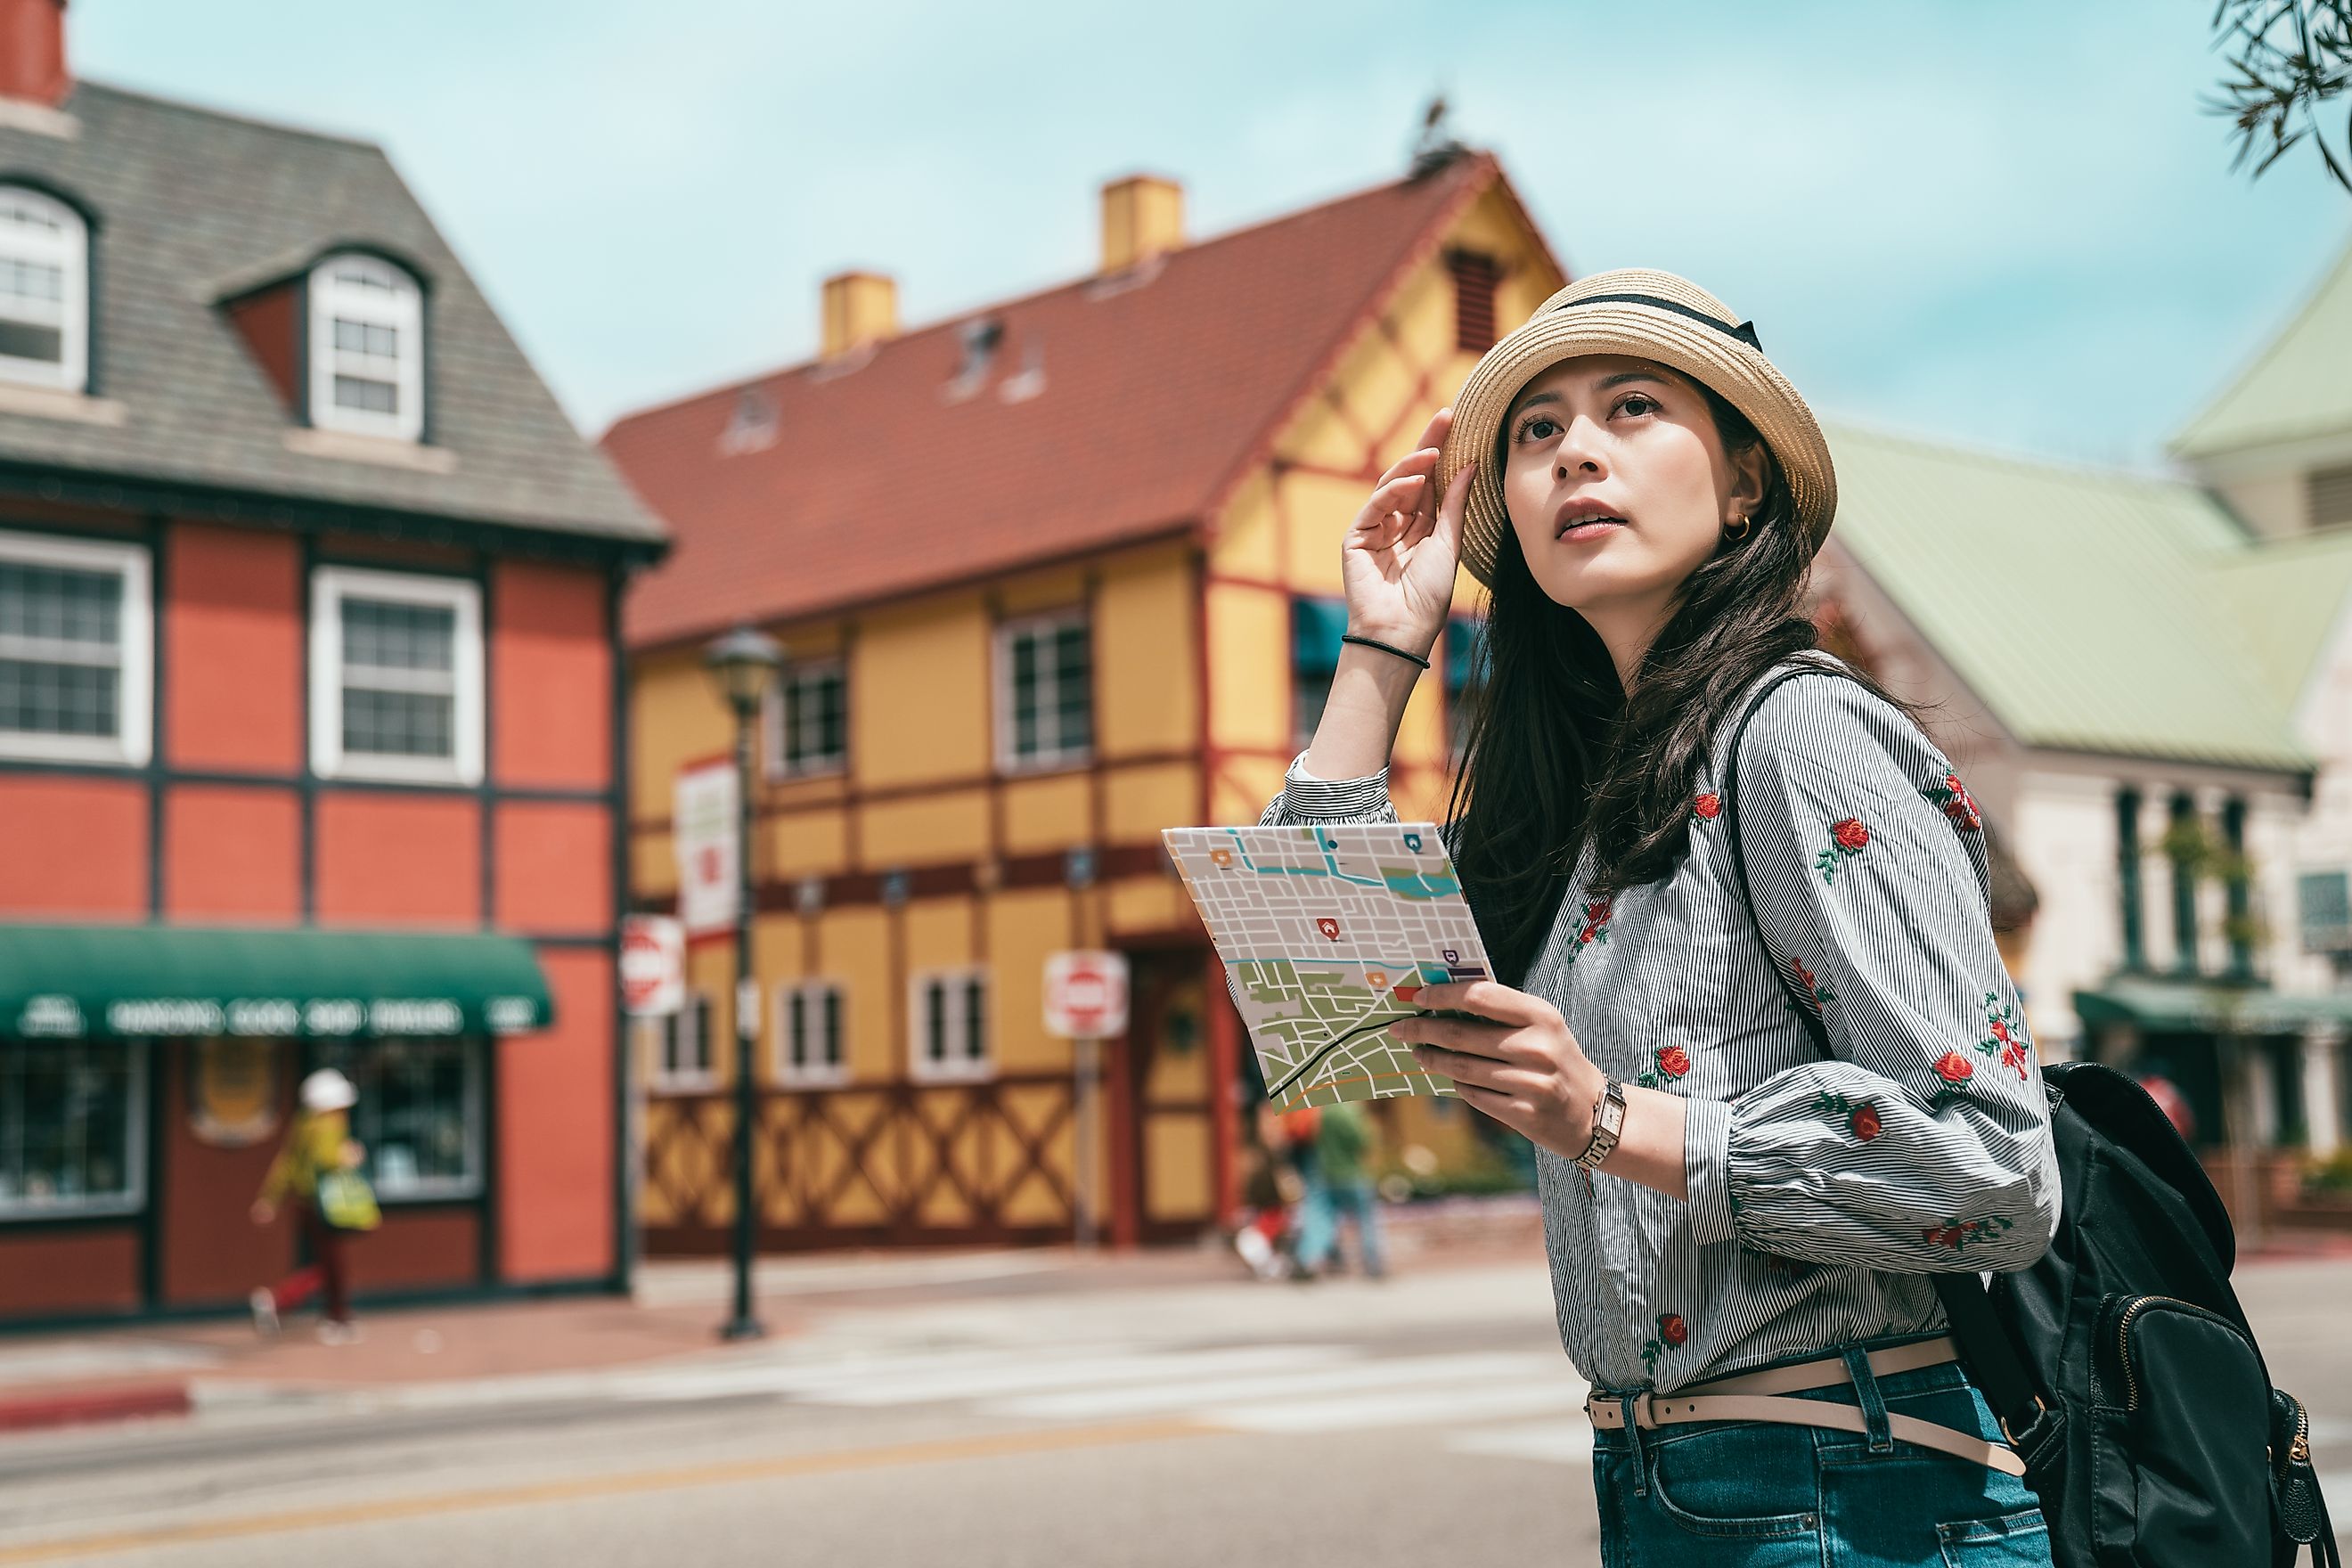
<point x="2004" y="223"/>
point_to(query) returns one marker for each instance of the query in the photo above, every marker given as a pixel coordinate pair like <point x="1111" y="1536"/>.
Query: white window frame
<point x="329" y="587"/>
<point x="472" y="1051"/>
<point x="1047" y="623"/>
<point x="391" y="297"/>
<point x="811" y="992"/>
<point x="133" y="1199"/>
<point x="660" y="1076"/>
<point x="779" y="761"/>
<point x="962" y="1064"/>
<point x="134" y="739"/>
<point x="68" y="250"/>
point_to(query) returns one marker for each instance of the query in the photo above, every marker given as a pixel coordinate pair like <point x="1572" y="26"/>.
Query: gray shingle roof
<point x="194" y="205"/>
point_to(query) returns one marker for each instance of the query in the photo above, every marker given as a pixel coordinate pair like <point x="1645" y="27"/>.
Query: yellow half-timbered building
<point x="1051" y="575"/>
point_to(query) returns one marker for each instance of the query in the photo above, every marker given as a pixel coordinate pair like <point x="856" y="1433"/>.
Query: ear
<point x="1751" y="469"/>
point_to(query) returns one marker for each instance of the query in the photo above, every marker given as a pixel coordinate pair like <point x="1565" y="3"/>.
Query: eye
<point x="1648" y="404"/>
<point x="1537" y="428"/>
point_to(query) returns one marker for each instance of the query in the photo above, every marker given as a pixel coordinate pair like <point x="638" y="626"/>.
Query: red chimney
<point x="33" y="50"/>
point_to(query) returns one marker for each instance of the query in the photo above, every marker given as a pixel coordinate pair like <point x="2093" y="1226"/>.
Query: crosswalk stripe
<point x="926" y="1387"/>
<point x="1191" y="1393"/>
<point x="1400" y="1407"/>
<point x="1553" y="1442"/>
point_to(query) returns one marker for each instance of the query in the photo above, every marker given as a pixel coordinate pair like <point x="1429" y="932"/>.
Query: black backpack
<point x="2120" y="1364"/>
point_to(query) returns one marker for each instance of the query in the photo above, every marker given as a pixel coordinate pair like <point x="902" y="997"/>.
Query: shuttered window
<point x="1474" y="277"/>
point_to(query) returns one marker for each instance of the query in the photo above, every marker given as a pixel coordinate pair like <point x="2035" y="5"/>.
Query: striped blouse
<point x="1821" y="1189"/>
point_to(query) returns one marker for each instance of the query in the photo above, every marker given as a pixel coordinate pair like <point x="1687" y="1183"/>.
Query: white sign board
<point x="1086" y="995"/>
<point x="653" y="965"/>
<point x="702" y="830"/>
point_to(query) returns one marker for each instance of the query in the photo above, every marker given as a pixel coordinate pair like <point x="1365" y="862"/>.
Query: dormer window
<point x="44" y="291"/>
<point x="367" y="348"/>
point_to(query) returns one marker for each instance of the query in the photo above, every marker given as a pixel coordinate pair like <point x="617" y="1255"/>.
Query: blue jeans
<point x="1712" y="1494"/>
<point x="1318" y="1230"/>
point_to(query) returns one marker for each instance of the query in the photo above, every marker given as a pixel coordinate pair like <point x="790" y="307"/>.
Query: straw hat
<point x="1649" y="315"/>
<point x="328" y="1089"/>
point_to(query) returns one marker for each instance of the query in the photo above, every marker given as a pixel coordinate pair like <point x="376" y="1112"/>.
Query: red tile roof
<point x="1156" y="397"/>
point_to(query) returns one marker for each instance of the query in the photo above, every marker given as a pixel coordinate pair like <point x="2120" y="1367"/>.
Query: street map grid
<point x="1328" y="933"/>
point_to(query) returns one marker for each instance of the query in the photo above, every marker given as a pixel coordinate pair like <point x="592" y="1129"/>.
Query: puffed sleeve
<point x="1925" y="1144"/>
<point x="1305" y="799"/>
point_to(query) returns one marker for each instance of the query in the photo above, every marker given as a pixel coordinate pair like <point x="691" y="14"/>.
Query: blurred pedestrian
<point x="316" y="1169"/>
<point x="1339" y="1186"/>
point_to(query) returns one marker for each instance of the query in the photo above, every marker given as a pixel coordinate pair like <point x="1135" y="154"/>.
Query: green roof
<point x="2090" y="611"/>
<point x="2287" y="597"/>
<point x="2298" y="387"/>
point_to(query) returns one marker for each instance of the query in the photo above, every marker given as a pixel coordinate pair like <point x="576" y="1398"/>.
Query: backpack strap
<point x="1986" y="1348"/>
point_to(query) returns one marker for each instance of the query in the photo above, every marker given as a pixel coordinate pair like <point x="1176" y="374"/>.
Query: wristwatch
<point x="1608" y="1123"/>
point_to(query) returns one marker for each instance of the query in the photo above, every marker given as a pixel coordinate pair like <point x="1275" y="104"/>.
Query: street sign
<point x="702" y="834"/>
<point x="1086" y="995"/>
<point x="653" y="965"/>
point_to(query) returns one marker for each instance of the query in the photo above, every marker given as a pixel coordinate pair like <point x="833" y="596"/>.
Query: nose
<point x="1578" y="452"/>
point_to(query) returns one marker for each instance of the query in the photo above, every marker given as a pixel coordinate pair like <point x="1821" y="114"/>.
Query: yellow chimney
<point x="859" y="308"/>
<point x="1142" y="215"/>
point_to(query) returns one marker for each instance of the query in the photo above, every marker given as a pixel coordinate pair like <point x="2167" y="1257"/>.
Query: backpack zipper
<point x="2131" y="1372"/>
<point x="2300" y="1450"/>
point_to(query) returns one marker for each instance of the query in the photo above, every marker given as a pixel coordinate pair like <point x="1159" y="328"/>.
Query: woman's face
<point x="1610" y="437"/>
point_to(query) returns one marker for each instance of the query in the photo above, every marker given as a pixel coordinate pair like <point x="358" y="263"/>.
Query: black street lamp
<point x="744" y="663"/>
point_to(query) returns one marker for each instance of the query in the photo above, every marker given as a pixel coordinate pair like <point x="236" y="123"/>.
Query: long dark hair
<point x="1555" y="754"/>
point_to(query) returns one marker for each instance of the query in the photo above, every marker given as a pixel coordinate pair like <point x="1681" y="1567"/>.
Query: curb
<point x="83" y="1406"/>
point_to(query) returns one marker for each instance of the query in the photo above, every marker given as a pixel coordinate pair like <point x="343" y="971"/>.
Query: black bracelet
<point x="1384" y="648"/>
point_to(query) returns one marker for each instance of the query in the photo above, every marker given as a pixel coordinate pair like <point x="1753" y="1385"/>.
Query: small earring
<point x="1741" y="532"/>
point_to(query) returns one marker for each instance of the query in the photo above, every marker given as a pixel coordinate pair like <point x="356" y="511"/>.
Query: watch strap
<point x="1608" y="1125"/>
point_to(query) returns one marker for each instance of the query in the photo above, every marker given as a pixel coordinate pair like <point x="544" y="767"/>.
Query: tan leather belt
<point x="1751" y="1396"/>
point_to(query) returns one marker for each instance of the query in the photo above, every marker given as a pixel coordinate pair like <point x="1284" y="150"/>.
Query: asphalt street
<point x="1427" y="1419"/>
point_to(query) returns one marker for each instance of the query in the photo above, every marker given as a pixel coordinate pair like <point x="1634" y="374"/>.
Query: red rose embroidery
<point x="1673" y="1060"/>
<point x="1847" y="836"/>
<point x="1955" y="1068"/>
<point x="1957" y="1234"/>
<point x="1671" y="1329"/>
<point x="1865" y="1121"/>
<point x="1596" y="925"/>
<point x="2000" y="1041"/>
<point x="1954" y="797"/>
<point x="1707" y="807"/>
<point x="1821" y="994"/>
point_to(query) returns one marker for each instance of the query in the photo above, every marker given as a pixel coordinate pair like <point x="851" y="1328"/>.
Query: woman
<point x="1643" y="493"/>
<point x="319" y="1141"/>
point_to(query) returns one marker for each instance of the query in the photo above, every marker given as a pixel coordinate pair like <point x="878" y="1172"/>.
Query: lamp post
<point x="744" y="663"/>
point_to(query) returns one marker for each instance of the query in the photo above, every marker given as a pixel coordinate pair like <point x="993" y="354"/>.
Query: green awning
<point x="130" y="981"/>
<point x="2181" y="1005"/>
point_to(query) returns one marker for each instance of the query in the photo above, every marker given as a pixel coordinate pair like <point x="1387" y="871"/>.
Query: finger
<point x="1487" y="998"/>
<point x="1464" y="1067"/>
<point x="1449" y="510"/>
<point x="1453" y="1034"/>
<point x="1421" y="459"/>
<point x="1434" y="432"/>
<point x="1408" y="494"/>
<point x="1514" y="1114"/>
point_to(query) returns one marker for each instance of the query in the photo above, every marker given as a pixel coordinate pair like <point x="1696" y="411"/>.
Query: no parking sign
<point x="1086" y="995"/>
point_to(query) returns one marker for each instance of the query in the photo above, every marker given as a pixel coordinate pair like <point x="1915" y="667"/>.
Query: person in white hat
<point x="318" y="1143"/>
<point x="1759" y="1135"/>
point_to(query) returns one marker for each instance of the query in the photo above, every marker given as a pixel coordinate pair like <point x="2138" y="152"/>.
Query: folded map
<point x="1328" y="934"/>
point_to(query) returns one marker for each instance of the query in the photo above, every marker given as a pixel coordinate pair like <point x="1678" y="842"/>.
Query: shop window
<point x="682" y="1059"/>
<point x="810" y="1045"/>
<point x="1315" y="628"/>
<point x="2325" y="902"/>
<point x="950" y="1019"/>
<point x="44" y="291"/>
<point x="1045" y="691"/>
<point x="396" y="677"/>
<point x="367" y="348"/>
<point x="73" y="1121"/>
<point x="76" y="671"/>
<point x="419" y="1114"/>
<point x="808" y="719"/>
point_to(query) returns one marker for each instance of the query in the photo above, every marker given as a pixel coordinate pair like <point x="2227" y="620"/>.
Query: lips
<point x="1577" y="519"/>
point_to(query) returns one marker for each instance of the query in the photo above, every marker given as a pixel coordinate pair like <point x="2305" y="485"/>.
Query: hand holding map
<point x="1328" y="934"/>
